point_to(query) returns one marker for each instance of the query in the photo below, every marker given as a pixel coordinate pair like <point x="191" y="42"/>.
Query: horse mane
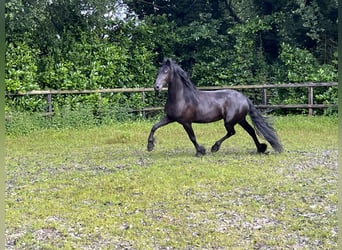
<point x="182" y="74"/>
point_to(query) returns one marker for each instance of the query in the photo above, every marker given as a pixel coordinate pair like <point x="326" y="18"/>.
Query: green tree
<point x="304" y="24"/>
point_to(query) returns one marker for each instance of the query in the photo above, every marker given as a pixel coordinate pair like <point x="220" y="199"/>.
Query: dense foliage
<point x="91" y="44"/>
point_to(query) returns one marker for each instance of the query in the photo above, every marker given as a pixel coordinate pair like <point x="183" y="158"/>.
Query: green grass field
<point x="100" y="189"/>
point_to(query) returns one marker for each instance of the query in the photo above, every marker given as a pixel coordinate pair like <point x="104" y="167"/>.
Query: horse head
<point x="164" y="75"/>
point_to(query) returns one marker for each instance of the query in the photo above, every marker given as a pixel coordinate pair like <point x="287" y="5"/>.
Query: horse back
<point x="216" y="105"/>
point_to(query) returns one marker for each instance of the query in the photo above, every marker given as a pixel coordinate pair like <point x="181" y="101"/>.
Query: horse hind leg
<point x="230" y="132"/>
<point x="261" y="147"/>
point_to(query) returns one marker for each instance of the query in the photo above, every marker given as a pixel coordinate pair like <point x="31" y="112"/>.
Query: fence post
<point x="49" y="97"/>
<point x="143" y="100"/>
<point x="264" y="96"/>
<point x="310" y="100"/>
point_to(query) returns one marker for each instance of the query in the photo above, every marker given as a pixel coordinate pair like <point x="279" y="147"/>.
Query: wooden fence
<point x="265" y="88"/>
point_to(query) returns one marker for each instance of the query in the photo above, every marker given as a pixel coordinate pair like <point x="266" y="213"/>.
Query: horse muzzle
<point x="158" y="88"/>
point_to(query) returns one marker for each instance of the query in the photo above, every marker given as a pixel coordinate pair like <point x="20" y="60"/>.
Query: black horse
<point x="186" y="104"/>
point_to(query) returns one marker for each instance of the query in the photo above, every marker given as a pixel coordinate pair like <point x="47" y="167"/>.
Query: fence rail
<point x="310" y="105"/>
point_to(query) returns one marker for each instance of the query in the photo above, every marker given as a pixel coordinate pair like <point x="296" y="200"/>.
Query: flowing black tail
<point x="264" y="128"/>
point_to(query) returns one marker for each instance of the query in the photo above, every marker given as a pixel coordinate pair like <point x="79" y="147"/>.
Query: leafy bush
<point x="21" y="68"/>
<point x="299" y="65"/>
<point x="249" y="64"/>
<point x="302" y="66"/>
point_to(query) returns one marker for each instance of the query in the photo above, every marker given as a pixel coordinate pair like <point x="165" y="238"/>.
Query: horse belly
<point x="208" y="113"/>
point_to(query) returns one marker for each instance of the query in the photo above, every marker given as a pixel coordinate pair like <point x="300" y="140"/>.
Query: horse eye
<point x="166" y="71"/>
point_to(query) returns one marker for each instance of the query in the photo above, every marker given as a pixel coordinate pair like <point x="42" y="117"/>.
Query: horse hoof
<point x="150" y="147"/>
<point x="200" y="151"/>
<point x="262" y="148"/>
<point x="199" y="154"/>
<point x="215" y="148"/>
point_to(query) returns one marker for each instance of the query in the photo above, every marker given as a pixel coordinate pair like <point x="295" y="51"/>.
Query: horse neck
<point x="176" y="88"/>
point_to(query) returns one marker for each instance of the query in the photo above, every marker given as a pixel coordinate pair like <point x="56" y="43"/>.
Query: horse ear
<point x="167" y="61"/>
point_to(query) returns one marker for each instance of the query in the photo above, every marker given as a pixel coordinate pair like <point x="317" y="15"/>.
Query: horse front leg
<point x="200" y="150"/>
<point x="150" y="142"/>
